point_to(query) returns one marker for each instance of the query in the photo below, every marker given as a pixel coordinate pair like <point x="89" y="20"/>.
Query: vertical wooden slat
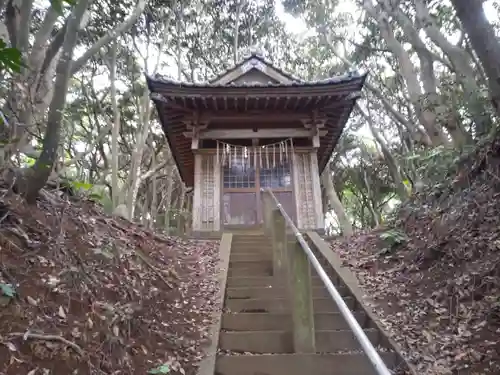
<point x="196" y="213"/>
<point x="217" y="194"/>
<point x="305" y="191"/>
<point x="318" y="204"/>
<point x="296" y="188"/>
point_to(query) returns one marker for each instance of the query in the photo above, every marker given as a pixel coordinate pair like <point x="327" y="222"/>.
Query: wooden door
<point x="240" y="192"/>
<point x="277" y="176"/>
<point x="242" y="180"/>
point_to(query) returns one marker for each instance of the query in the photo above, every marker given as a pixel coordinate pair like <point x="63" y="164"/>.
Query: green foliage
<point x="59" y="4"/>
<point x="162" y="369"/>
<point x="393" y="237"/>
<point x="82" y="186"/>
<point x="7" y="290"/>
<point x="434" y="165"/>
<point x="10" y="58"/>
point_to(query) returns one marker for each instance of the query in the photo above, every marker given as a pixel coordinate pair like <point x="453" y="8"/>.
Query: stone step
<point x="251" y="257"/>
<point x="283" y="322"/>
<point x="239" y="280"/>
<point x="249" y="241"/>
<point x="250" y="271"/>
<point x="253" y="264"/>
<point x="282" y="341"/>
<point x="251" y="249"/>
<point x="277" y="292"/>
<point x="281" y="305"/>
<point x="299" y="364"/>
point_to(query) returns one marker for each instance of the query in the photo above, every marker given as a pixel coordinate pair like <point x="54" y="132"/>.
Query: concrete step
<point x="253" y="264"/>
<point x="283" y="322"/>
<point x="251" y="249"/>
<point x="250" y="257"/>
<point x="250" y="271"/>
<point x="250" y="240"/>
<point x="298" y="364"/>
<point x="277" y="292"/>
<point x="282" y="341"/>
<point x="239" y="280"/>
<point x="281" y="305"/>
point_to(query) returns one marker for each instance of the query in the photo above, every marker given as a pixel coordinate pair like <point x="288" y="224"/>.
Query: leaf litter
<point x="438" y="293"/>
<point x="87" y="293"/>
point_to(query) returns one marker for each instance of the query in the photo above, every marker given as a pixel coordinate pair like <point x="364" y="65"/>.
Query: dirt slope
<point x="84" y="293"/>
<point x="438" y="293"/>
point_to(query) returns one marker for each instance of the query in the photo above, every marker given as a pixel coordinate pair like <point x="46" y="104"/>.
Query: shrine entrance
<point x="245" y="170"/>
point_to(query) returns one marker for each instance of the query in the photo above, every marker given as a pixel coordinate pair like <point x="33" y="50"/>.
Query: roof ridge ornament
<point x="253" y="51"/>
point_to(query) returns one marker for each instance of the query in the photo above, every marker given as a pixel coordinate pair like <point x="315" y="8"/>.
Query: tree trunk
<point x="168" y="199"/>
<point x="389" y="159"/>
<point x="336" y="204"/>
<point x="460" y="61"/>
<point x="407" y="70"/>
<point x="116" y="129"/>
<point x="36" y="176"/>
<point x="154" y="197"/>
<point x="135" y="172"/>
<point x="369" y="200"/>
<point x="239" y="6"/>
<point x="484" y="42"/>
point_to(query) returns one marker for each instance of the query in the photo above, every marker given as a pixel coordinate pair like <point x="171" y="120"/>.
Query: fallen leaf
<point x="61" y="312"/>
<point x="11" y="346"/>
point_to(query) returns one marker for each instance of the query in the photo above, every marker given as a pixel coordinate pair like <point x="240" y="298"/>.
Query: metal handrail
<point x="365" y="343"/>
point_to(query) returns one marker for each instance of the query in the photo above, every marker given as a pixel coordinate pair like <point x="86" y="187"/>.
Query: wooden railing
<point x="291" y="262"/>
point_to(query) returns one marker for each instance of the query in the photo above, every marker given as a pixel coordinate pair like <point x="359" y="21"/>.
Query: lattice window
<point x="240" y="172"/>
<point x="279" y="176"/>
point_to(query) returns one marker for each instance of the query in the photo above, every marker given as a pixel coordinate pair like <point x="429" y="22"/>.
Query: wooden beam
<point x="261" y="133"/>
<point x="250" y="116"/>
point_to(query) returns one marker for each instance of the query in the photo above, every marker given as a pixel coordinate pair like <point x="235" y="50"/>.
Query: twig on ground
<point x="39" y="336"/>
<point x="158" y="272"/>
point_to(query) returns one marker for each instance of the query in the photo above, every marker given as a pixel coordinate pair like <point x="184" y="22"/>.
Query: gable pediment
<point x="253" y="70"/>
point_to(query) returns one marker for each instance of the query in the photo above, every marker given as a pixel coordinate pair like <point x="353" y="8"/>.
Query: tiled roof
<point x="333" y="80"/>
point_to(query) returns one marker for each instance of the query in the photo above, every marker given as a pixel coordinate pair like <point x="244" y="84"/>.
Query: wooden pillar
<point x="300" y="291"/>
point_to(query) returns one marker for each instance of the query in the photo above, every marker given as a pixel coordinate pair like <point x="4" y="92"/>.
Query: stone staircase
<point x="256" y="327"/>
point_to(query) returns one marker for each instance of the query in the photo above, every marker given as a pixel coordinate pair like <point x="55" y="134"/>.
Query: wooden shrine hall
<point x="254" y="126"/>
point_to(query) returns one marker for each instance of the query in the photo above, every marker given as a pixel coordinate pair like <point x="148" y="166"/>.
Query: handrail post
<point x="267" y="209"/>
<point x="290" y="263"/>
<point x="279" y="238"/>
<point x="299" y="281"/>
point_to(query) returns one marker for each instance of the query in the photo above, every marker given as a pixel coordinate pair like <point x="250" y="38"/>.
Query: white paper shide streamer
<point x="266" y="157"/>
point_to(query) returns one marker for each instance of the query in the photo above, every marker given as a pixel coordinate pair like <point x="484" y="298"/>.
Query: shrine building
<point x="252" y="127"/>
